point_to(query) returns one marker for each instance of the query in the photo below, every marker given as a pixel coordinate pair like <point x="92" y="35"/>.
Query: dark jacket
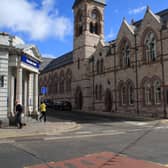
<point x="19" y="109"/>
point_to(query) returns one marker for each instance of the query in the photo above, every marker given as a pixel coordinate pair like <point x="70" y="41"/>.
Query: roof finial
<point x="132" y="21"/>
<point x="147" y="8"/>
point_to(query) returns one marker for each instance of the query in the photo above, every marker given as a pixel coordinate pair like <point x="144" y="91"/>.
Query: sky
<point x="49" y="23"/>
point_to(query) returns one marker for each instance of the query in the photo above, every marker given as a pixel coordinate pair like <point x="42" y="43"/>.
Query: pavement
<point x="35" y="128"/>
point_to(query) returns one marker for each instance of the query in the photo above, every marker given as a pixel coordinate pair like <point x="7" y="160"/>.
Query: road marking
<point x="161" y="127"/>
<point x="135" y="123"/>
<point x="110" y="131"/>
<point x="84" y="136"/>
<point x="83" y="132"/>
<point x="6" y="141"/>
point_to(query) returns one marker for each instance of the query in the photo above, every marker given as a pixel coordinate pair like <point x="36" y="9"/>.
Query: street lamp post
<point x="93" y="76"/>
<point x="163" y="75"/>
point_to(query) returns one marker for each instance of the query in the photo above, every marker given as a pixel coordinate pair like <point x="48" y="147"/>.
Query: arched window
<point x="100" y="92"/>
<point x="125" y="54"/>
<point x="150" y="47"/>
<point x="96" y="92"/>
<point x="101" y="65"/>
<point x="130" y="94"/>
<point x="68" y="80"/>
<point x="55" y="83"/>
<point x="50" y="85"/>
<point x="97" y="68"/>
<point x="123" y="95"/>
<point x="62" y="82"/>
<point x="157" y="92"/>
<point x="148" y="93"/>
<point x="95" y="22"/>
<point x="79" y="24"/>
<point x="78" y="63"/>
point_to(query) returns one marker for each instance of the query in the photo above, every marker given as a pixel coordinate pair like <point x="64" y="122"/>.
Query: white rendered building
<point x="19" y="70"/>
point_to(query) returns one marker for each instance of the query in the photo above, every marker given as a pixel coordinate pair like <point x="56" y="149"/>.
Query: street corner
<point x="39" y="129"/>
<point x="100" y="160"/>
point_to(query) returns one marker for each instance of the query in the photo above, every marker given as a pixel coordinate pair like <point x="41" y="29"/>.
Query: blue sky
<point x="49" y="23"/>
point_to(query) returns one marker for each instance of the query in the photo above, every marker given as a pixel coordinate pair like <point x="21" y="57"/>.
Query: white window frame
<point x="126" y="55"/>
<point x="148" y="94"/>
<point x="150" y="47"/>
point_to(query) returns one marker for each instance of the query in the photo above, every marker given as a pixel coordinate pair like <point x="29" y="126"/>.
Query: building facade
<point x="127" y="75"/>
<point x="19" y="70"/>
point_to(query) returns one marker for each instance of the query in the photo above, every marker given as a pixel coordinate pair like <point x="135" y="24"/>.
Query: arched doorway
<point x="78" y="98"/>
<point x="108" y="100"/>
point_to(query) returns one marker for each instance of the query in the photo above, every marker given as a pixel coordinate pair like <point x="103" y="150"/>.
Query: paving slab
<point x="37" y="128"/>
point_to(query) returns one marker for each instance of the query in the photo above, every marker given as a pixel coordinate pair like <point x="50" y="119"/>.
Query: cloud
<point x="39" y="21"/>
<point x="48" y="56"/>
<point x="111" y="35"/>
<point x="137" y="10"/>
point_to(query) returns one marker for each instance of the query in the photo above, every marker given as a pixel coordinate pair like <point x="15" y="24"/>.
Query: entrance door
<point x="108" y="101"/>
<point x="78" y="98"/>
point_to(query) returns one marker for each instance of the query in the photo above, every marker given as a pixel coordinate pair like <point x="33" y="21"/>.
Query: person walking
<point x="18" y="114"/>
<point x="43" y="111"/>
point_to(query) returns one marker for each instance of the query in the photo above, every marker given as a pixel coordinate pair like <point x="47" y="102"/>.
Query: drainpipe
<point x="115" y="78"/>
<point x="136" y="72"/>
<point x="163" y="76"/>
<point x="93" y="83"/>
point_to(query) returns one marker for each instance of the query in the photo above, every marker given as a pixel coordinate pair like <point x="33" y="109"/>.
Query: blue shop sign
<point x="43" y="90"/>
<point x="30" y="62"/>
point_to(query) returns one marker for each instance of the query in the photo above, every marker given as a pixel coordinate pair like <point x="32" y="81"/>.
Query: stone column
<point x="30" y="92"/>
<point x="25" y="96"/>
<point x="11" y="98"/>
<point x="35" y="102"/>
<point x="19" y="85"/>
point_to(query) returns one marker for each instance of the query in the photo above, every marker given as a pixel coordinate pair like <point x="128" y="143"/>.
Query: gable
<point x="126" y="30"/>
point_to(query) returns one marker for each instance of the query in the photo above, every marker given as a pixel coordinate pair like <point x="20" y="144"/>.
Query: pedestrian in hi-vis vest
<point x="43" y="111"/>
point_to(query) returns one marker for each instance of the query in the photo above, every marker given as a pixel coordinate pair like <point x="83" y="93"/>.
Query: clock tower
<point x="88" y="25"/>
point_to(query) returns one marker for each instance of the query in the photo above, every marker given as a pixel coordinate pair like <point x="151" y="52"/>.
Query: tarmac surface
<point x="36" y="128"/>
<point x="52" y="127"/>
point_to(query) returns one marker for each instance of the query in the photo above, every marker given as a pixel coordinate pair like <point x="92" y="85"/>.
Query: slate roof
<point x="59" y="62"/>
<point x="45" y="62"/>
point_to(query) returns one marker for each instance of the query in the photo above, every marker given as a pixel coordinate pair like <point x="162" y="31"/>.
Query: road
<point x="136" y="139"/>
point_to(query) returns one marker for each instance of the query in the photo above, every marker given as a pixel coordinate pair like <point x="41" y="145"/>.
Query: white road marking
<point x="83" y="132"/>
<point x="84" y="136"/>
<point x="135" y="123"/>
<point x="6" y="141"/>
<point x="110" y="131"/>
